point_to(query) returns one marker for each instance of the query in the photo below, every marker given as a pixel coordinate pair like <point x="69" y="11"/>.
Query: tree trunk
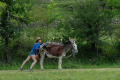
<point x="6" y="50"/>
<point x="93" y="48"/>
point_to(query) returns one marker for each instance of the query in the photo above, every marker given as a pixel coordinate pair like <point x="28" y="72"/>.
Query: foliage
<point x="113" y="4"/>
<point x="16" y="15"/>
<point x="11" y="18"/>
<point x="90" y="23"/>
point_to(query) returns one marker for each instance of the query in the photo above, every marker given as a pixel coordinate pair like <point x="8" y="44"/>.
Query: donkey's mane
<point x="67" y="43"/>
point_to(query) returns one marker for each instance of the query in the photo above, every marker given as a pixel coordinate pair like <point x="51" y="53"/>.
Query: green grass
<point x="66" y="64"/>
<point x="72" y="70"/>
<point x="66" y="74"/>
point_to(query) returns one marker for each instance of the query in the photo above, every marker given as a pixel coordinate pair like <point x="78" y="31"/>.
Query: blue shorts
<point x="32" y="52"/>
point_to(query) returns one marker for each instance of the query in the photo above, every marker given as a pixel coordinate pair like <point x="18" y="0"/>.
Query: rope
<point x="43" y="50"/>
<point x="68" y="56"/>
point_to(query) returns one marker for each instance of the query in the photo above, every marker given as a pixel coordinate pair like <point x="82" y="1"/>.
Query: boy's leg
<point x="27" y="59"/>
<point x="34" y="61"/>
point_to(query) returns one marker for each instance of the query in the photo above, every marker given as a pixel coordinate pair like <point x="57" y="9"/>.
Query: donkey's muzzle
<point x="76" y="51"/>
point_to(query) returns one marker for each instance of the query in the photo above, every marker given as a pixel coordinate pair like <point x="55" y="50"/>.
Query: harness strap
<point x="51" y="46"/>
<point x="58" y="50"/>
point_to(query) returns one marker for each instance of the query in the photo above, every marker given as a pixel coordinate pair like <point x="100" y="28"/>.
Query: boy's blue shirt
<point x="36" y="46"/>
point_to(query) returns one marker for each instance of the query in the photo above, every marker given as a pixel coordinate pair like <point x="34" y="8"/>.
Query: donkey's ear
<point x="69" y="38"/>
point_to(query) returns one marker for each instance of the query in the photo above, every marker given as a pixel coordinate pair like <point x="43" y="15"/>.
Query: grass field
<point x="65" y="74"/>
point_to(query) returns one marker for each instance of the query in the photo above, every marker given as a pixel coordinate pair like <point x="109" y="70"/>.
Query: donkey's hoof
<point x="42" y="69"/>
<point x="61" y="69"/>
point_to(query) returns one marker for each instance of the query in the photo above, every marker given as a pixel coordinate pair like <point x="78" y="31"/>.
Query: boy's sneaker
<point x="30" y="70"/>
<point x="21" y="69"/>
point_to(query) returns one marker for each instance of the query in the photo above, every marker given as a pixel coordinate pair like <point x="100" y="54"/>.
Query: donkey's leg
<point x="59" y="63"/>
<point x="41" y="60"/>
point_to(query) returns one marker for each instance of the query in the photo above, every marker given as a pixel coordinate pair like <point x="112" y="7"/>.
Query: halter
<point x="73" y="47"/>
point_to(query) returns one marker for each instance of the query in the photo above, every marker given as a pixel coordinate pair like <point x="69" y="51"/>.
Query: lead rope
<point x="68" y="56"/>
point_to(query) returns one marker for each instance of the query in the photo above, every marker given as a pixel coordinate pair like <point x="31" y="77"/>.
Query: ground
<point x="65" y="74"/>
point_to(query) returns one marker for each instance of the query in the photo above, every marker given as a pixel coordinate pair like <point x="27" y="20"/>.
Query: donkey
<point x="70" y="45"/>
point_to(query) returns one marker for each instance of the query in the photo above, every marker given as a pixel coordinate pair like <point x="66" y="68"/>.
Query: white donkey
<point x="70" y="45"/>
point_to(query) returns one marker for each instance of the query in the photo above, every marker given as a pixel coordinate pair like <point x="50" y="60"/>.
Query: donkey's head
<point x="74" y="46"/>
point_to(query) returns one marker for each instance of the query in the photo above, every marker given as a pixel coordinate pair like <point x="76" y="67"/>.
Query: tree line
<point x="90" y="25"/>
